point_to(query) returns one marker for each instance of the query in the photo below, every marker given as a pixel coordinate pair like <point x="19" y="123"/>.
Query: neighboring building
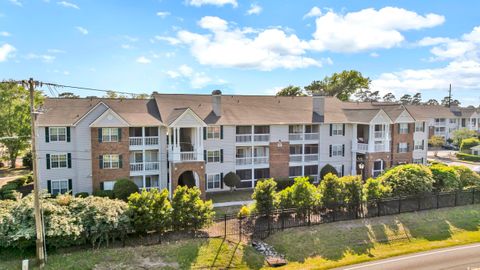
<point x="475" y="150"/>
<point x="85" y="144"/>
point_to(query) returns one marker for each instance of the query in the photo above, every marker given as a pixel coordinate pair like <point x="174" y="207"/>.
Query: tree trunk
<point x="13" y="161"/>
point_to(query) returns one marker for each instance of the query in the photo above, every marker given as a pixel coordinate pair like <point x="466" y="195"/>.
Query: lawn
<point x="7" y="174"/>
<point x="342" y="243"/>
<point x="227" y="196"/>
<point x="212" y="253"/>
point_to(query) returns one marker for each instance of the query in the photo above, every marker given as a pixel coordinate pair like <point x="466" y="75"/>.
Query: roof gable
<point x="185" y="117"/>
<point x="109" y="119"/>
<point x="404" y="117"/>
<point x="381" y="118"/>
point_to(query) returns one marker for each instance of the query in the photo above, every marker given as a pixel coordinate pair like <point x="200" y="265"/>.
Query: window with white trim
<point x="111" y="161"/>
<point x="213" y="181"/>
<point x="403" y="147"/>
<point x="453" y="121"/>
<point x="110" y="134"/>
<point x="58" y="161"/>
<point x="213" y="156"/>
<point x="337" y="129"/>
<point x="418" y="160"/>
<point x="108" y="185"/>
<point x="419" y="127"/>
<point x="378" y="167"/>
<point x="213" y="132"/>
<point x="59" y="186"/>
<point x="58" y="134"/>
<point x="403" y="128"/>
<point x="418" y="145"/>
<point x="337" y="150"/>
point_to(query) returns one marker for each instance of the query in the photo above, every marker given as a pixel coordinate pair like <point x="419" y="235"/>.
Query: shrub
<point x="189" y="211"/>
<point x="103" y="193"/>
<point x="285" y="200"/>
<point x="467" y="144"/>
<point x="150" y="210"/>
<point x="283" y="183"/>
<point x="27" y="160"/>
<point x="231" y="180"/>
<point x="265" y="196"/>
<point x="468" y="178"/>
<point x="445" y="178"/>
<point x="374" y="189"/>
<point x="408" y="179"/>
<point x="330" y="190"/>
<point x="243" y="212"/>
<point x="461" y="134"/>
<point x="468" y="157"/>
<point x="81" y="194"/>
<point x="352" y="189"/>
<point x="124" y="188"/>
<point x="326" y="170"/>
<point x="303" y="195"/>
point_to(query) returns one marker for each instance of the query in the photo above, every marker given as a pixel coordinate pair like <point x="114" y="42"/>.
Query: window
<point x="111" y="161"/>
<point x="402" y="147"/>
<point x="213" y="181"/>
<point x="58" y="161"/>
<point x="59" y="186"/>
<point x="440" y="121"/>
<point x="110" y="134"/>
<point x="295" y="171"/>
<point x="213" y="156"/>
<point x="244" y="129"/>
<point x="58" y="134"/>
<point x="439" y="130"/>
<point x="418" y="145"/>
<point x="311" y="149"/>
<point x="312" y="128"/>
<point x="151" y="131"/>
<point x="295" y="129"/>
<point x="418" y="160"/>
<point x="378" y="167"/>
<point x="337" y="150"/>
<point x="213" y="133"/>
<point x="453" y="121"/>
<point x="261" y="129"/>
<point x="261" y="151"/>
<point x="403" y="128"/>
<point x="108" y="185"/>
<point x="311" y="170"/>
<point x="337" y="129"/>
<point x="419" y="127"/>
<point x="151" y="181"/>
<point x="244" y="174"/>
<point x="295" y="149"/>
<point x="262" y="173"/>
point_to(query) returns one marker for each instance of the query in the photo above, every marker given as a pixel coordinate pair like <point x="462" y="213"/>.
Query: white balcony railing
<point x="304" y="157"/>
<point x="139" y="141"/>
<point x="379" y="134"/>
<point x="296" y="158"/>
<point x="244" y="138"/>
<point x="152" y="166"/>
<point x="144" y="166"/>
<point x="151" y="140"/>
<point x="136" y="167"/>
<point x="381" y="147"/>
<point x="310" y="157"/>
<point x="187" y="156"/>
<point x="295" y="137"/>
<point x="312" y="136"/>
<point x="260" y="160"/>
<point x="240" y="161"/>
<point x="261" y="137"/>
<point x="244" y="160"/>
<point x="364" y="147"/>
<point x="303" y="136"/>
<point x="136" y="140"/>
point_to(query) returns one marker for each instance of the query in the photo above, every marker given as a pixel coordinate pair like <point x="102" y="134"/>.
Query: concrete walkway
<point x="225" y="204"/>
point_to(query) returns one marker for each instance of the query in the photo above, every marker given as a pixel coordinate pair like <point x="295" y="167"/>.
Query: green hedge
<point x="468" y="157"/>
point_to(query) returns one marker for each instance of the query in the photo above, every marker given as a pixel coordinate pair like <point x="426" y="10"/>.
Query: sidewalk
<point x="225" y="204"/>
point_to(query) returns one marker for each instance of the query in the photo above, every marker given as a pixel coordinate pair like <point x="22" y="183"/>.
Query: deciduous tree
<point x="341" y="85"/>
<point x="291" y="91"/>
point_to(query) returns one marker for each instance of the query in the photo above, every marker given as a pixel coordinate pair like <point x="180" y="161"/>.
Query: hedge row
<point x="468" y="157"/>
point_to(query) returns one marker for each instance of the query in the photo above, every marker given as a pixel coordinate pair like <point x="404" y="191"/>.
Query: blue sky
<point x="243" y="47"/>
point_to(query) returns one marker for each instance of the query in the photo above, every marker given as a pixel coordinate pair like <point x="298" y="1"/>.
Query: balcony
<point x="184" y="156"/>
<point x="143" y="141"/>
<point x="243" y="138"/>
<point x="261" y="137"/>
<point x="366" y="147"/>
<point x="248" y="161"/>
<point x="144" y="166"/>
<point x="303" y="136"/>
<point x="298" y="158"/>
<point x="379" y="134"/>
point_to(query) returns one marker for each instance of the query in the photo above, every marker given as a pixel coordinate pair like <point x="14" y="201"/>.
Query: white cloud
<point x="44" y="57"/>
<point x="199" y="3"/>
<point x="196" y="79"/>
<point x="126" y="46"/>
<point x="374" y="54"/>
<point x="56" y="51"/>
<point x="163" y="14"/>
<point x="16" y="2"/>
<point x="246" y="48"/>
<point x="68" y="4"/>
<point x="4" y="34"/>
<point x="171" y="40"/>
<point x="368" y="29"/>
<point x="314" y="12"/>
<point x="5" y="51"/>
<point x="82" y="30"/>
<point x="143" y="60"/>
<point x="254" y="9"/>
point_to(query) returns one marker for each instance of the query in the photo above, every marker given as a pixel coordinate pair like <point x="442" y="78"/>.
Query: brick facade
<point x="194" y="166"/>
<point x="279" y="160"/>
<point x="101" y="148"/>
<point x="398" y="158"/>
<point x="370" y="158"/>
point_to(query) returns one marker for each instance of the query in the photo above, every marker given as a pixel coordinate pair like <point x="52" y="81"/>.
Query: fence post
<point x="225" y="225"/>
<point x="240" y="229"/>
<point x="282" y="215"/>
<point x="308" y="217"/>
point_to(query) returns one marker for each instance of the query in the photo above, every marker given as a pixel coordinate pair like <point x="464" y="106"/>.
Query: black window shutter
<point x="206" y="180"/>
<point x="48" y="161"/>
<point x="47" y="134"/>
<point x="423" y="144"/>
<point x="343" y="170"/>
<point x="423" y="127"/>
<point x="398" y="148"/>
<point x="330" y="150"/>
<point x="221" y="155"/>
<point x="343" y="130"/>
<point x="99" y="134"/>
<point x="205" y="155"/>
<point x="120" y="161"/>
<point x="221" y="132"/>
<point x="398" y="126"/>
<point x="408" y="147"/>
<point x="119" y="134"/>
<point x="221" y="180"/>
<point x="68" y="134"/>
<point x="69" y="160"/>
<point x="70" y="185"/>
<point x="101" y="185"/>
<point x="408" y="128"/>
<point x="331" y="129"/>
<point x="343" y="150"/>
<point x="49" y="186"/>
<point x="100" y="162"/>
<point x="204" y="133"/>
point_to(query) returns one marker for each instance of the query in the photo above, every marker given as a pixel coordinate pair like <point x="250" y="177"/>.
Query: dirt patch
<point x="137" y="262"/>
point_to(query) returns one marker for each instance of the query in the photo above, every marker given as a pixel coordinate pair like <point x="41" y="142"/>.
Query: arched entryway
<point x="189" y="179"/>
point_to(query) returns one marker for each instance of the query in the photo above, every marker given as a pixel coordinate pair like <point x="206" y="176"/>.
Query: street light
<point x="361" y="166"/>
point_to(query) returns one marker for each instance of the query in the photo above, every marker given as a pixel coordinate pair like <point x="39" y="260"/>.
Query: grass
<point x="337" y="244"/>
<point x="212" y="253"/>
<point x="227" y="196"/>
<point x="227" y="210"/>
<point x="7" y="174"/>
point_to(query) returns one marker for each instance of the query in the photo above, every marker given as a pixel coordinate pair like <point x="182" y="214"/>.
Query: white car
<point x="476" y="169"/>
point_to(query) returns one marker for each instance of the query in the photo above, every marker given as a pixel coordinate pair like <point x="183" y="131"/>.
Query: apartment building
<point x="86" y="144"/>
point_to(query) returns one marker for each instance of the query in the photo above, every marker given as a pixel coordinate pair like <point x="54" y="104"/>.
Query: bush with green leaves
<point x="123" y="188"/>
<point x="409" y="179"/>
<point x="82" y="195"/>
<point x="330" y="190"/>
<point x="352" y="189"/>
<point x="27" y="160"/>
<point x="265" y="196"/>
<point x="103" y="194"/>
<point x="285" y="198"/>
<point x="326" y="170"/>
<point x="304" y="195"/>
<point x="468" y="157"/>
<point x="445" y="178"/>
<point x="468" y="143"/>
<point x="468" y="178"/>
<point x="374" y="189"/>
<point x="150" y="211"/>
<point x="190" y="212"/>
<point x="231" y="180"/>
<point x="461" y="134"/>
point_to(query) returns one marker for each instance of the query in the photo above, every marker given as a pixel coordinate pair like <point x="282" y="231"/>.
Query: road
<point x="445" y="155"/>
<point x="454" y="258"/>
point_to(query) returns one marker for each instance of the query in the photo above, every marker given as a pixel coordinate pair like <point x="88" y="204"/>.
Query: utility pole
<point x="40" y="252"/>
<point x="450" y="96"/>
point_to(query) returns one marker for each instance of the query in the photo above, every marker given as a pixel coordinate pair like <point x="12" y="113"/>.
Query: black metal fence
<point x="262" y="225"/>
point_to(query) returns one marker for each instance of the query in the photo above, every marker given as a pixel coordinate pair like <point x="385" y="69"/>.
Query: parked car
<point x="450" y="146"/>
<point x="476" y="169"/>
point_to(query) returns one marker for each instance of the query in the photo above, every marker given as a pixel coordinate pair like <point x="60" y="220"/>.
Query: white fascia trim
<point x="203" y="124"/>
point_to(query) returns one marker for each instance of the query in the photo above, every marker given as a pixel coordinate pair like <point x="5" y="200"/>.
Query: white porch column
<point x="371" y="138"/>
